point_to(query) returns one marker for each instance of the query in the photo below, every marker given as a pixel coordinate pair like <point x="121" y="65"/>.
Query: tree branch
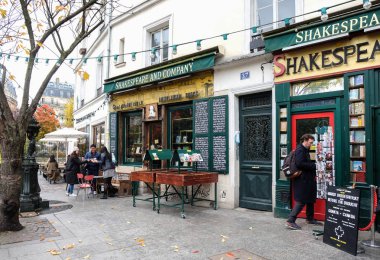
<point x="64" y="55"/>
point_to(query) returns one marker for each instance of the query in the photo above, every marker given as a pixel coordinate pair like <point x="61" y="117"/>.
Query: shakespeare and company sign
<point x="361" y="52"/>
<point x="159" y="74"/>
<point x="199" y="86"/>
<point x="329" y="29"/>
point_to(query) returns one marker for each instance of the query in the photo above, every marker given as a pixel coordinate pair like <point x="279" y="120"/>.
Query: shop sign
<point x="334" y="28"/>
<point x="359" y="53"/>
<point x="199" y="86"/>
<point x="159" y="74"/>
<point x="342" y="218"/>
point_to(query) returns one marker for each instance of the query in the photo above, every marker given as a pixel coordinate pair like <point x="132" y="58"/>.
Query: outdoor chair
<point x="84" y="183"/>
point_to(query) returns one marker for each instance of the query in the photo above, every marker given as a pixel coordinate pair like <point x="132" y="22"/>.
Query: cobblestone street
<point x="113" y="229"/>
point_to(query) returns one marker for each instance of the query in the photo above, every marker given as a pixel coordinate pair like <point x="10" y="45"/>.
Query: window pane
<point x="156" y="39"/>
<point x="318" y="86"/>
<point x="286" y="9"/>
<point x="182" y="129"/>
<point x="134" y="139"/>
<point x="165" y="43"/>
<point x="264" y="12"/>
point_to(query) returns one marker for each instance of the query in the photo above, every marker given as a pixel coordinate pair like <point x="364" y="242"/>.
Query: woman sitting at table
<point x="52" y="169"/>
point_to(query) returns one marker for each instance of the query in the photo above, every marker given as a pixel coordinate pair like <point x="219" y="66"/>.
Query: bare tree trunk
<point x="11" y="179"/>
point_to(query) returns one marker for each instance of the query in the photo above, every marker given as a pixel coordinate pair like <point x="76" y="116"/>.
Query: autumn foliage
<point x="46" y="117"/>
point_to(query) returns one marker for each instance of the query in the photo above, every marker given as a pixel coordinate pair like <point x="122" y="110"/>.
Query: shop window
<point x="133" y="138"/>
<point x="98" y="135"/>
<point x="358" y="167"/>
<point x="318" y="86"/>
<point x="160" y="42"/>
<point x="181" y="128"/>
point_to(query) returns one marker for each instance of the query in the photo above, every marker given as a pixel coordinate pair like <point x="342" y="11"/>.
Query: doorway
<point x="255" y="152"/>
<point x="321" y="126"/>
<point x="154" y="138"/>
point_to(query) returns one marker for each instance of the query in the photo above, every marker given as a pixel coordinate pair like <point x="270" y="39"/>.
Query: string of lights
<point x="174" y="47"/>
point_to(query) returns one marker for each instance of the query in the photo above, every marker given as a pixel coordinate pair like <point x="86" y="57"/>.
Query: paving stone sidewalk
<point x="113" y="229"/>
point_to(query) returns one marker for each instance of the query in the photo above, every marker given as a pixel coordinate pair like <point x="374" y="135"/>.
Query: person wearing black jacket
<point x="72" y="168"/>
<point x="304" y="186"/>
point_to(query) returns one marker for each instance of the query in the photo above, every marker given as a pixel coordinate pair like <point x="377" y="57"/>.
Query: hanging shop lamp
<point x="324" y="15"/>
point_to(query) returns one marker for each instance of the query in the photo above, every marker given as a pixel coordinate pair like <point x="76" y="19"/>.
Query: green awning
<point x="171" y="71"/>
<point x="320" y="31"/>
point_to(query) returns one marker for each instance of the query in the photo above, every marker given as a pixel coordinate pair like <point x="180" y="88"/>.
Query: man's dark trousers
<point x="298" y="208"/>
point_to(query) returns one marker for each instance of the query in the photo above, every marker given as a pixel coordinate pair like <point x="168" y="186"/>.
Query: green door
<point x="256" y="151"/>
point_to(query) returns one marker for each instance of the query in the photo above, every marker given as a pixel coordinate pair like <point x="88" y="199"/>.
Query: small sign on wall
<point x="244" y="75"/>
<point x="151" y="112"/>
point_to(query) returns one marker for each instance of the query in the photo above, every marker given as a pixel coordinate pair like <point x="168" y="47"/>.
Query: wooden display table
<point x="185" y="179"/>
<point x="149" y="178"/>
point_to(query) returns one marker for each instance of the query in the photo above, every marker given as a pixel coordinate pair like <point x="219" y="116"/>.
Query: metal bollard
<point x="371" y="242"/>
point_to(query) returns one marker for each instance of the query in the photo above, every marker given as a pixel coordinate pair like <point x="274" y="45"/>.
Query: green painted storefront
<point x="337" y="103"/>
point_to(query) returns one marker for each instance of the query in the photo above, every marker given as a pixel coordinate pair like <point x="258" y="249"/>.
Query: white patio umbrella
<point x="66" y="134"/>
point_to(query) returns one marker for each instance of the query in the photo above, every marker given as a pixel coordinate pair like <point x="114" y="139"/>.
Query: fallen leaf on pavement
<point x="51" y="240"/>
<point x="223" y="240"/>
<point x="42" y="238"/>
<point x="229" y="254"/>
<point x="195" y="251"/>
<point x="250" y="228"/>
<point x="86" y="257"/>
<point x="224" y="236"/>
<point x="69" y="246"/>
<point x="80" y="241"/>
<point x="110" y="243"/>
<point x="176" y="248"/>
<point x="128" y="222"/>
<point x="68" y="258"/>
<point x="54" y="252"/>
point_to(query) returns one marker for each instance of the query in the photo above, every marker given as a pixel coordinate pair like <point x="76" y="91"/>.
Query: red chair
<point x="85" y="183"/>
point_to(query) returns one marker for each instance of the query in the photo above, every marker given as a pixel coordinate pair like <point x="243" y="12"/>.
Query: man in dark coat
<point x="304" y="186"/>
<point x="93" y="158"/>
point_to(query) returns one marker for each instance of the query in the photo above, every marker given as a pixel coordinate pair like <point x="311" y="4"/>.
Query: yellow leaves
<point x="39" y="26"/>
<point x="12" y="77"/>
<point x="224" y="238"/>
<point x="59" y="8"/>
<point x="42" y="238"/>
<point x="3" y="13"/>
<point x="69" y="246"/>
<point x="85" y="76"/>
<point x="60" y="18"/>
<point x="176" y="248"/>
<point x="140" y="241"/>
<point x="86" y="257"/>
<point x="54" y="252"/>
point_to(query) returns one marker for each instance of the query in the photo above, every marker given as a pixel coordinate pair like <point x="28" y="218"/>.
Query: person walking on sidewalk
<point x="304" y="186"/>
<point x="108" y="170"/>
<point x="93" y="158"/>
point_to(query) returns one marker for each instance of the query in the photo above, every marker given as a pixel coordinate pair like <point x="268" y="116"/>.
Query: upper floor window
<point x="268" y="11"/>
<point x="99" y="77"/>
<point x="160" y="42"/>
<point x="120" y="58"/>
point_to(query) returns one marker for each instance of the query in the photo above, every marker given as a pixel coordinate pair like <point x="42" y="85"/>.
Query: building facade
<point x="327" y="84"/>
<point x="57" y="95"/>
<point x="149" y="95"/>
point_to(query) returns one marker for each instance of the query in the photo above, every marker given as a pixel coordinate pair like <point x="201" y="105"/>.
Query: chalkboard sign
<point x="219" y="153"/>
<point x="219" y="115"/>
<point x="201" y="117"/>
<point x="202" y="144"/>
<point x="341" y="225"/>
<point x="113" y="134"/>
<point x="211" y="133"/>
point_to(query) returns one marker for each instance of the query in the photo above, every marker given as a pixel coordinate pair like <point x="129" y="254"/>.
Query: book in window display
<point x="283" y="138"/>
<point x="359" y="80"/>
<point x="283" y="126"/>
<point x="283" y="113"/>
<point x="178" y="139"/>
<point x="357" y="136"/>
<point x="354" y="94"/>
<point x="357" y="166"/>
<point x="325" y="160"/>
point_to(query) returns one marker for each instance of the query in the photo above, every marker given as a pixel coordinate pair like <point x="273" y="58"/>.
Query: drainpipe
<point x="109" y="32"/>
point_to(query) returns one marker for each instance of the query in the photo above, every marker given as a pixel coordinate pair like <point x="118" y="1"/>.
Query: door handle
<point x="255" y="167"/>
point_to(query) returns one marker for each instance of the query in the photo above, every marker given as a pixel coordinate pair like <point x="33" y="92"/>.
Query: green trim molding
<point x="185" y="67"/>
<point x="314" y="33"/>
